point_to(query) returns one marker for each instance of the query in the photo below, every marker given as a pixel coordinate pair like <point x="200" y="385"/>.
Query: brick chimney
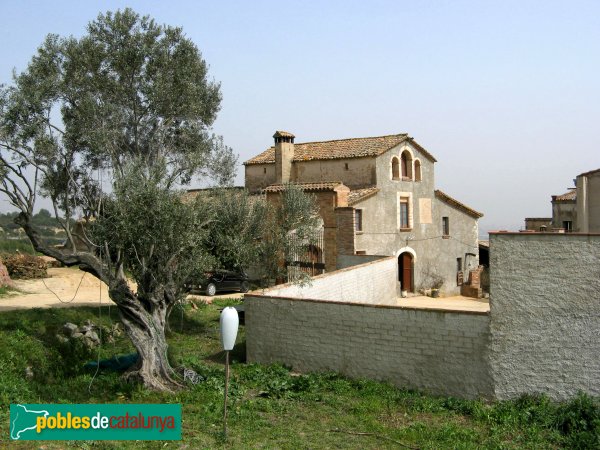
<point x="284" y="154"/>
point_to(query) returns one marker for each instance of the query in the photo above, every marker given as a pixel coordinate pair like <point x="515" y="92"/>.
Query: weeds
<point x="271" y="406"/>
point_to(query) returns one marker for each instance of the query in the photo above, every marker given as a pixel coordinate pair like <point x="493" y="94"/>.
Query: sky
<point x="505" y="94"/>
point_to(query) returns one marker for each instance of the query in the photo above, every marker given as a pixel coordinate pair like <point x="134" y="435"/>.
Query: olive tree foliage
<point x="237" y="229"/>
<point x="107" y="126"/>
<point x="250" y="232"/>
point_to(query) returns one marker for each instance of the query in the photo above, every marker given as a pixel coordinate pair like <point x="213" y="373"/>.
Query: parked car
<point x="220" y="281"/>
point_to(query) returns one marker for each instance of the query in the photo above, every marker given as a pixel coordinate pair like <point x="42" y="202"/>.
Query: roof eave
<point x="458" y="205"/>
<point x="364" y="197"/>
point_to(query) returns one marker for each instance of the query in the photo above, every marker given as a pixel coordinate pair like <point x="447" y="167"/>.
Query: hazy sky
<point x="505" y="94"/>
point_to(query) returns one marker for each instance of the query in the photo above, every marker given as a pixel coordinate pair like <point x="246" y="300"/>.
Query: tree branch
<point x="89" y="262"/>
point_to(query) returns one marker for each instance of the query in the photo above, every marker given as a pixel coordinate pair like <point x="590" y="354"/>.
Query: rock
<point x="60" y="338"/>
<point x="28" y="372"/>
<point x="4" y="276"/>
<point x="117" y="330"/>
<point x="93" y="336"/>
<point x="77" y="335"/>
<point x="69" y="328"/>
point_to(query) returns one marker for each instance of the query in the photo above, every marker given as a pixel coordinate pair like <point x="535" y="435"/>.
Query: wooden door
<point x="405" y="271"/>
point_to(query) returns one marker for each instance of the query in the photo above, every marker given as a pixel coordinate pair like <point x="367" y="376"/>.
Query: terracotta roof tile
<point x="189" y="195"/>
<point x="453" y="202"/>
<point x="571" y="195"/>
<point x="356" y="195"/>
<point x="343" y="148"/>
<point x="321" y="186"/>
<point x="283" y="134"/>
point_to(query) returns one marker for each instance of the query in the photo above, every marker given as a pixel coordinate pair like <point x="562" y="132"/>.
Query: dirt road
<point x="69" y="287"/>
<point x="63" y="287"/>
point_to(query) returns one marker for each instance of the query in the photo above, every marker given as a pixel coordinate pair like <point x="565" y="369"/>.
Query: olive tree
<point x="107" y="126"/>
<point x="250" y="232"/>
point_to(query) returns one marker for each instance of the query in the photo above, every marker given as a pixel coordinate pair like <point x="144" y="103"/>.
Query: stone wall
<point x="371" y="283"/>
<point x="353" y="172"/>
<point x="542" y="334"/>
<point x="348" y="321"/>
<point x="439" y="352"/>
<point x="345" y="261"/>
<point x="259" y="176"/>
<point x="545" y="314"/>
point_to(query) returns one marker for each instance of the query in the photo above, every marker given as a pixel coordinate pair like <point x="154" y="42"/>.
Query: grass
<point x="269" y="407"/>
<point x="7" y="291"/>
<point x="12" y="245"/>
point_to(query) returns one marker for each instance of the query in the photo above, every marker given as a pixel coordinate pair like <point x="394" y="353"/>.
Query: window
<point x="264" y="170"/>
<point x="395" y="169"/>
<point x="459" y="265"/>
<point x="445" y="226"/>
<point x="404" y="219"/>
<point x="361" y="252"/>
<point x="404" y="166"/>
<point x="568" y="225"/>
<point x="417" y="170"/>
<point x="346" y="166"/>
<point x="358" y="225"/>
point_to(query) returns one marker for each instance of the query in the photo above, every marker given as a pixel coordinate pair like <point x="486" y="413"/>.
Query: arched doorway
<point x="405" y="271"/>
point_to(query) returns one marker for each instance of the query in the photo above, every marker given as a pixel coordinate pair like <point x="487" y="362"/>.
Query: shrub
<point x="25" y="266"/>
<point x="579" y="421"/>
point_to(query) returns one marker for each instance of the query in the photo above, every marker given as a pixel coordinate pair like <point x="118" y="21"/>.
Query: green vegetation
<point x="6" y="291"/>
<point x="12" y="237"/>
<point x="270" y="407"/>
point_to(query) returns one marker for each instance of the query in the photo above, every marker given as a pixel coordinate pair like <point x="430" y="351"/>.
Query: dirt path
<point x="64" y="283"/>
<point x="62" y="289"/>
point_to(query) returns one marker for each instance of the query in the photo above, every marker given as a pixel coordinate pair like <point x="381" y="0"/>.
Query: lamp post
<point x="229" y="328"/>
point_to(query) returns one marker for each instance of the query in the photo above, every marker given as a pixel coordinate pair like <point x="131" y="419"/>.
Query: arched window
<point x="395" y="169"/>
<point x="406" y="165"/>
<point x="417" y="170"/>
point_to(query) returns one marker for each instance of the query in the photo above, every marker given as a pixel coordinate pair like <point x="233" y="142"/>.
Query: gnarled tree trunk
<point x="144" y="317"/>
<point x="144" y="320"/>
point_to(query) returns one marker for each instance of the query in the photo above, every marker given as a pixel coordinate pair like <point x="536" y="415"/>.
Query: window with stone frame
<point x="406" y="166"/>
<point x="395" y="169"/>
<point x="358" y="220"/>
<point x="417" y="170"/>
<point x="445" y="226"/>
<point x="404" y="213"/>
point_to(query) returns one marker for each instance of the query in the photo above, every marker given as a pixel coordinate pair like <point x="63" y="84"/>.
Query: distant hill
<point x="12" y="236"/>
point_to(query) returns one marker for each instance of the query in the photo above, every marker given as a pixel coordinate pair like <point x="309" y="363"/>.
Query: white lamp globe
<point x="229" y="327"/>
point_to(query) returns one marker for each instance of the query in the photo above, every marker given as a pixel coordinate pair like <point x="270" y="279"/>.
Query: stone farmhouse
<point x="376" y="196"/>
<point x="577" y="210"/>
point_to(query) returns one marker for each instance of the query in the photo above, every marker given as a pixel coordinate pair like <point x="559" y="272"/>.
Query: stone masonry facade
<point x="542" y="334"/>
<point x="387" y="183"/>
<point x="545" y="310"/>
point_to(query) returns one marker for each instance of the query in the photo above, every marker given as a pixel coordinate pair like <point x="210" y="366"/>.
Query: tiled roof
<point x="322" y="186"/>
<point x="571" y="195"/>
<point x="356" y="195"/>
<point x="191" y="194"/>
<point x="343" y="148"/>
<point x="283" y="134"/>
<point x="453" y="202"/>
